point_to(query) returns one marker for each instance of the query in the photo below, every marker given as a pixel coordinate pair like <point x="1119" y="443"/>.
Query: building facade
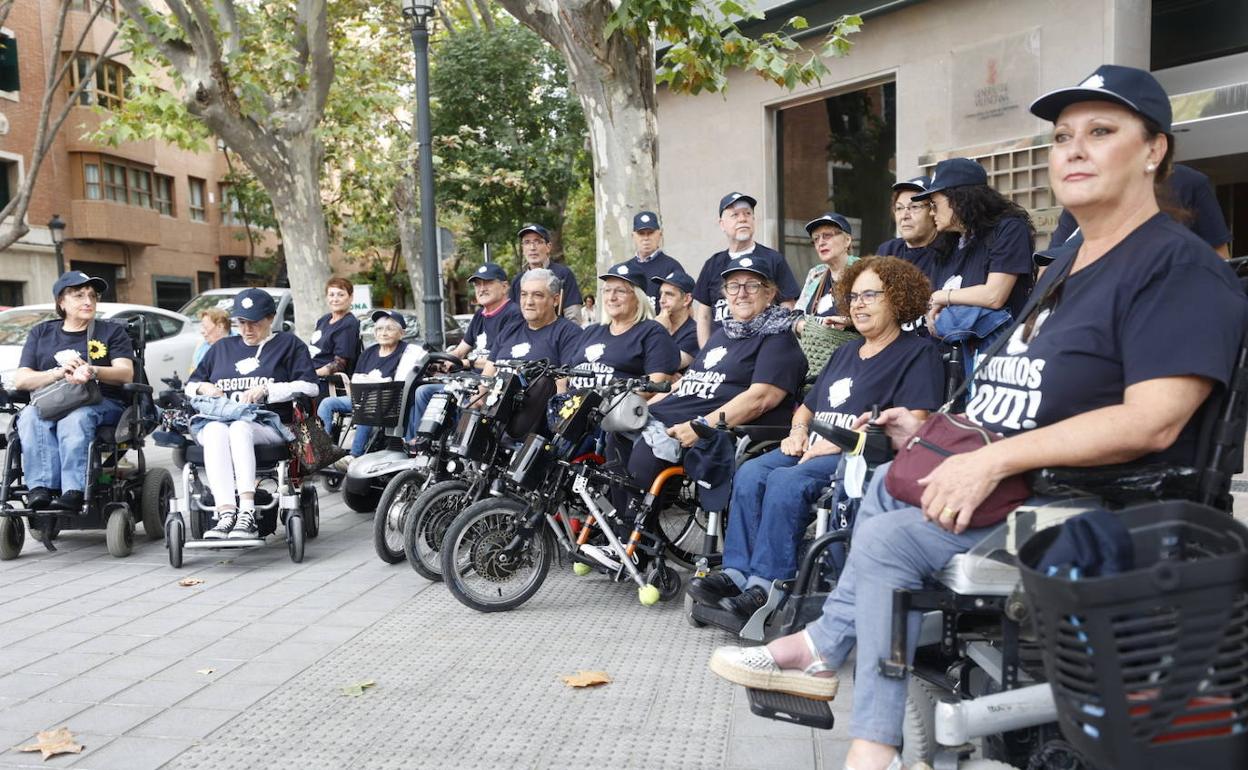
<point x="931" y="79"/>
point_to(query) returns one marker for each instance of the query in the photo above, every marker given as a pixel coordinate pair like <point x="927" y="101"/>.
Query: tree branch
<point x="229" y="26"/>
<point x="314" y="24"/>
<point x="487" y="13"/>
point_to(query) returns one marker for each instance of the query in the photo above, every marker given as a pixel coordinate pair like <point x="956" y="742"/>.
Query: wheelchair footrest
<point x="223" y="544"/>
<point x="791" y="708"/>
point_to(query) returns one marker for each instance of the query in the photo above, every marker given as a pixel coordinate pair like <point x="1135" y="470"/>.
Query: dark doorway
<point x="100" y="270"/>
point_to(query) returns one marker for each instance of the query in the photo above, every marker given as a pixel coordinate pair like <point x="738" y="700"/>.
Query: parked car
<point x="171" y="337"/>
<point x="224" y="299"/>
<point x="451" y="329"/>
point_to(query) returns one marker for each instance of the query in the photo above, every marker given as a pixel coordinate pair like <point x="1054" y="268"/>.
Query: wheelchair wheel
<point x="332" y="482"/>
<point x="475" y="566"/>
<point x="175" y="536"/>
<point x="361" y="503"/>
<point x="667" y="580"/>
<point x="37" y="523"/>
<point x="688" y="609"/>
<point x="425" y="526"/>
<point x="12" y="537"/>
<point x="119" y="532"/>
<point x="294" y="537"/>
<point x="392" y="511"/>
<point x="310" y="509"/>
<point x="681" y="523"/>
<point x="154" y="501"/>
<point x="918" y="731"/>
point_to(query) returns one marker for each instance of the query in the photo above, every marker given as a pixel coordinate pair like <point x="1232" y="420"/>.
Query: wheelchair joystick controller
<point x="872" y="444"/>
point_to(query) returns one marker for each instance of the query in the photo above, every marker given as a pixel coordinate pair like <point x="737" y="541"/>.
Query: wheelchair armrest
<point x="1120" y="484"/>
<point x="136" y="387"/>
<point x="761" y="433"/>
<point x="14" y="396"/>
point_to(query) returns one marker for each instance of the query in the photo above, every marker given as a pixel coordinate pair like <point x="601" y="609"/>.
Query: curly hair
<point x="979" y="208"/>
<point x="905" y="286"/>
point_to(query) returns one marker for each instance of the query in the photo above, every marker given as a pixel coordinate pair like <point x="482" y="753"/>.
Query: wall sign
<point x="991" y="86"/>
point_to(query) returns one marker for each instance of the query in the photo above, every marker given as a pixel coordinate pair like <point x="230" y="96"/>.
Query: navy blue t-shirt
<point x="49" y="346"/>
<point x="235" y="367"/>
<point x="485" y="330"/>
<point x="330" y="340"/>
<point x="374" y="364"/>
<point x="556" y="343"/>
<point x="686" y="337"/>
<point x="709" y="288"/>
<point x="909" y="372"/>
<point x="1193" y="191"/>
<point x="1159" y="304"/>
<point x="660" y="265"/>
<point x="646" y="348"/>
<point x="925" y="258"/>
<point x="571" y="291"/>
<point x="1007" y="249"/>
<point x="725" y="368"/>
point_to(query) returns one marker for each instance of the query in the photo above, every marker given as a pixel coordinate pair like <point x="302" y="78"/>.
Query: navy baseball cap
<point x="253" y="304"/>
<point x="490" y="271"/>
<point x="750" y="264"/>
<point x="918" y="184"/>
<point x="75" y="278"/>
<point x="535" y="229"/>
<point x="678" y="278"/>
<point x="830" y="218"/>
<point x="393" y="315"/>
<point x="626" y="273"/>
<point x="732" y="198"/>
<point x="954" y="172"/>
<point x="646" y="220"/>
<point x="1133" y="88"/>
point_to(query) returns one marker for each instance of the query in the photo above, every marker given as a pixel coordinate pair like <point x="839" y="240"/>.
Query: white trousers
<point x="230" y="457"/>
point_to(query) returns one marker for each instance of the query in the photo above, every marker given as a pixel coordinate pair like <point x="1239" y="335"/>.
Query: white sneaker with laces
<point x="246" y="528"/>
<point x="225" y="523"/>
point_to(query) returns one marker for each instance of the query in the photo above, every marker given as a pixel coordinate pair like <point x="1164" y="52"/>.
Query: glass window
<point x="198" y="213"/>
<point x="171" y="294"/>
<point x="91" y="176"/>
<point x="140" y="188"/>
<point x="115" y="182"/>
<point x="164" y="194"/>
<point x="10" y="75"/>
<point x="109" y="89"/>
<point x="1188" y="31"/>
<point x="109" y="10"/>
<point x="231" y="209"/>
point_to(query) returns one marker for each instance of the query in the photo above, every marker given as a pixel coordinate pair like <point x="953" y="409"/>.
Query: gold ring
<point x="948" y="513"/>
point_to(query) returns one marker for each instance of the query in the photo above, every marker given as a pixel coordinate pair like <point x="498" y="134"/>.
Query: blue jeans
<point x="893" y="547"/>
<point x="54" y="454"/>
<point x="770" y="509"/>
<point x="342" y="405"/>
<point x="424" y="394"/>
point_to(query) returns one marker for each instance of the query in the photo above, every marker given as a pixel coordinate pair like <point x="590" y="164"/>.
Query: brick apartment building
<point x="146" y="216"/>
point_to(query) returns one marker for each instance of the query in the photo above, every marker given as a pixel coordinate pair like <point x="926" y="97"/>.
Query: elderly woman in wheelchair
<point x="1102" y="367"/>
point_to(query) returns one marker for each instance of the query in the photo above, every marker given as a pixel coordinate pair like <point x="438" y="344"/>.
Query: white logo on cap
<point x="594" y="352"/>
<point x="736" y="195"/>
<point x="645" y="217"/>
<point x="481" y="269"/>
<point x="247" y="302"/>
<point x="745" y="262"/>
<point x="1096" y="81"/>
<point x="84" y="276"/>
<point x="918" y="180"/>
<point x="671" y="275"/>
<point x="622" y="270"/>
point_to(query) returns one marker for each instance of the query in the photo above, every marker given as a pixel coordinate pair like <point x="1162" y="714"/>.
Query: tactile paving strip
<point x="456" y="688"/>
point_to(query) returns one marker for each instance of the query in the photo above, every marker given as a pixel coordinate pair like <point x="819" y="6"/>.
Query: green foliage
<point x="704" y="42"/>
<point x="579" y="243"/>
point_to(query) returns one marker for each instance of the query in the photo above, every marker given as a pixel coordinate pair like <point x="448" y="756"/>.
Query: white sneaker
<point x="342" y="464"/>
<point x="225" y="523"/>
<point x="246" y="528"/>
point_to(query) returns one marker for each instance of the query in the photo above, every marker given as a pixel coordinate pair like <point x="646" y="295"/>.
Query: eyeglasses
<point x="913" y="208"/>
<point x="824" y="237"/>
<point x="532" y="242"/>
<point x="736" y="287"/>
<point x="869" y="297"/>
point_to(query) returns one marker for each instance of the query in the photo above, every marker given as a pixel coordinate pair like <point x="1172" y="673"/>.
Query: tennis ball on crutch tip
<point x="580" y="569"/>
<point x="648" y="594"/>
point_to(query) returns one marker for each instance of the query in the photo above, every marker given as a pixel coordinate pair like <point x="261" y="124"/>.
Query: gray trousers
<point x="893" y="547"/>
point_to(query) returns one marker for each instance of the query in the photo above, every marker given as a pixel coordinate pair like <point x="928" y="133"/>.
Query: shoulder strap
<point x="1034" y="303"/>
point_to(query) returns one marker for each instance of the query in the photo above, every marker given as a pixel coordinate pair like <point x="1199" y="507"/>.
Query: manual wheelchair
<point x="117" y="495"/>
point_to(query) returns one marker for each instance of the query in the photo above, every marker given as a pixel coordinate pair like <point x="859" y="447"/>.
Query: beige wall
<point x="726" y="142"/>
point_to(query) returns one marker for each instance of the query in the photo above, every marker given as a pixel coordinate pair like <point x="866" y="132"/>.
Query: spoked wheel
<point x="681" y="523"/>
<point x="175" y="537"/>
<point x="479" y="570"/>
<point x="119" y="532"/>
<point x="310" y="509"/>
<point x="392" y="510"/>
<point x="12" y="537"/>
<point x="294" y="537"/>
<point x="426" y="523"/>
<point x="154" y="501"/>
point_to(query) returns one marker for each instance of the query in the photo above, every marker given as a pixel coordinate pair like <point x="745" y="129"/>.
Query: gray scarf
<point x="774" y="320"/>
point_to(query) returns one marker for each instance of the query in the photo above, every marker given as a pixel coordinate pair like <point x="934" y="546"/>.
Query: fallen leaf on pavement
<point x="53" y="742"/>
<point x="188" y="582"/>
<point x="357" y="689"/>
<point x="205" y="671"/>
<point x="586" y="679"/>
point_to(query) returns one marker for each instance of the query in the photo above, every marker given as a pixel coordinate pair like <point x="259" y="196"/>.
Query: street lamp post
<point x="57" y="228"/>
<point x="418" y="13"/>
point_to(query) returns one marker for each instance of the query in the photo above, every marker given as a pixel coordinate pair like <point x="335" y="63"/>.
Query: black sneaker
<point x="225" y="523"/>
<point x="712" y="588"/>
<point x="747" y="603"/>
<point x="39" y="499"/>
<point x="245" y="528"/>
<point x="69" y="501"/>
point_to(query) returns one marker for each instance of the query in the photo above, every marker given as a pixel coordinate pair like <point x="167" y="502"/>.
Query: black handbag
<point x="58" y="399"/>
<point x="312" y="447"/>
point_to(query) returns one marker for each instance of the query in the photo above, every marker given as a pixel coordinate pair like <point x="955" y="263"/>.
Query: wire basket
<point x="376" y="403"/>
<point x="1149" y="668"/>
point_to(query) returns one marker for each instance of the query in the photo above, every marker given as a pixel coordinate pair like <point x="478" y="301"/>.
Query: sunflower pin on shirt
<point x="96" y="350"/>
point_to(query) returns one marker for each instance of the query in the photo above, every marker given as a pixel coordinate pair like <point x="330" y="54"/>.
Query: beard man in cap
<point x="535" y="248"/>
<point x="736" y="221"/>
<point x="650" y="260"/>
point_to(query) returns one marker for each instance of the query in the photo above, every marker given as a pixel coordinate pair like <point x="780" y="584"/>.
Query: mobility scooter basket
<point x="376" y="403"/>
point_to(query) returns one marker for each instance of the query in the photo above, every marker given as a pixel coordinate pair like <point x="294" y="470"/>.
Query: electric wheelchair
<point x="121" y="490"/>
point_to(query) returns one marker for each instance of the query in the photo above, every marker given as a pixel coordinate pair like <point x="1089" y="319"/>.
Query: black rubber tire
<point x="34" y="524"/>
<point x="366" y="503"/>
<point x="310" y="509"/>
<point x="119" y="532"/>
<point x="175" y="536"/>
<point x="397" y="499"/>
<point x="154" y="501"/>
<point x="12" y="537"/>
<point x="667" y="580"/>
<point x="295" y="537"/>
<point x="918" y="732"/>
<point x="462" y="537"/>
<point x="689" y="618"/>
<point x="427" y="522"/>
<point x="332" y="482"/>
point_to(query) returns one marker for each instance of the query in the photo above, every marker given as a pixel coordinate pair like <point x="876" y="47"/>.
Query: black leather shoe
<point x="69" y="501"/>
<point x="712" y="588"/>
<point x="39" y="499"/>
<point x="747" y="603"/>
